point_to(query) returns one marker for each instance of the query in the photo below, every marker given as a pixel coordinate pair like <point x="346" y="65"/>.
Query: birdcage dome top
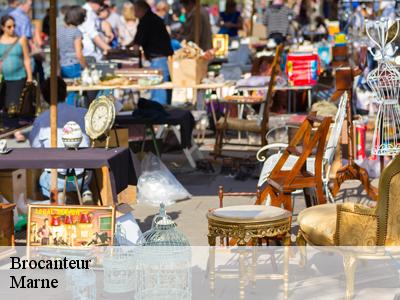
<point x="163" y="232"/>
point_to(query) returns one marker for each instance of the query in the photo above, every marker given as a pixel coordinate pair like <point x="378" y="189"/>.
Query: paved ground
<point x="190" y="215"/>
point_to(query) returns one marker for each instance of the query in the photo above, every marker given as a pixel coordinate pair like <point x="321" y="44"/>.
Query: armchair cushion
<point x="239" y="125"/>
<point x="357" y="225"/>
<point x="318" y="224"/>
<point x="251" y="213"/>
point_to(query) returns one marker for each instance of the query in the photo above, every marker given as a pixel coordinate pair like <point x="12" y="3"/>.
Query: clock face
<point x="100" y="117"/>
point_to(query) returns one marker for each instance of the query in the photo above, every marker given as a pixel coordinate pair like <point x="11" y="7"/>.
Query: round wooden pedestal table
<point x="249" y="223"/>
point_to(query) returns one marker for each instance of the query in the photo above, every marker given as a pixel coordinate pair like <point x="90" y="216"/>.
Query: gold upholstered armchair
<point x="351" y="224"/>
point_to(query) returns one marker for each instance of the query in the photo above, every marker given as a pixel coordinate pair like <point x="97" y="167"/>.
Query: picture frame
<point x="220" y="42"/>
<point x="70" y="226"/>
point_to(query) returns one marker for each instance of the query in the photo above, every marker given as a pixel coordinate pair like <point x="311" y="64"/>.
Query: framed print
<point x="221" y="44"/>
<point x="70" y="226"/>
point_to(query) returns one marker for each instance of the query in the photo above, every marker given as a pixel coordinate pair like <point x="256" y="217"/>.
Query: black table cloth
<point x="118" y="160"/>
<point x="184" y="118"/>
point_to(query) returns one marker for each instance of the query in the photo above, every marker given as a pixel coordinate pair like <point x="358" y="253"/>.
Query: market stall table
<point x="174" y="118"/>
<point x="290" y="89"/>
<point x="161" y="86"/>
<point x="116" y="165"/>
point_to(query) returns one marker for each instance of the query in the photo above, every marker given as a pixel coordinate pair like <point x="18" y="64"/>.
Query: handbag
<point x="27" y="100"/>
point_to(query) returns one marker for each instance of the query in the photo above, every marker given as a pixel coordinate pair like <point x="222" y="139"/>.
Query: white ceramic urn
<point x="72" y="135"/>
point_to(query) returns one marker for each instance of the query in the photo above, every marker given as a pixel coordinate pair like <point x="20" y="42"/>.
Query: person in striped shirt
<point x="277" y="20"/>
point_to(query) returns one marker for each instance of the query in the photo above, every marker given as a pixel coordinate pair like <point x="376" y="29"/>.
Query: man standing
<point x="277" y="19"/>
<point x="12" y="4"/>
<point x="190" y="24"/>
<point x="23" y="24"/>
<point x="93" y="44"/>
<point x="39" y="137"/>
<point x="153" y="37"/>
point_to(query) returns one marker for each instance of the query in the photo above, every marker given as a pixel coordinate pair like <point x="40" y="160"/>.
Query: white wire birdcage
<point x="384" y="81"/>
<point x="163" y="262"/>
<point x="83" y="284"/>
<point x="119" y="266"/>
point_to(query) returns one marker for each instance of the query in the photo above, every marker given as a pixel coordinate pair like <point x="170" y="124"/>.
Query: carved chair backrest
<point x="312" y="137"/>
<point x="270" y="92"/>
<point x="334" y="137"/>
<point x="388" y="207"/>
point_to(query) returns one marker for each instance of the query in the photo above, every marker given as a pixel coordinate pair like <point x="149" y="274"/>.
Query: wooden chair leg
<point x="301" y="244"/>
<point x="275" y="199"/>
<point x="308" y="194"/>
<point x="286" y="199"/>
<point x="320" y="192"/>
<point x="218" y="143"/>
<point x="221" y="196"/>
<point x="350" y="265"/>
<point x="263" y="196"/>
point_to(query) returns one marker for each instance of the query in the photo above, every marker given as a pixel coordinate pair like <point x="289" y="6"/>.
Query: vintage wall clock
<point x="100" y="118"/>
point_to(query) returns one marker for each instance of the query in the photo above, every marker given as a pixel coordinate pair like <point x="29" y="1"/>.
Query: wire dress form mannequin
<point x="385" y="84"/>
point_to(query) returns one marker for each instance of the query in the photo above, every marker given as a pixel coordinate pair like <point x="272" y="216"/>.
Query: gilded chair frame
<point x="381" y="220"/>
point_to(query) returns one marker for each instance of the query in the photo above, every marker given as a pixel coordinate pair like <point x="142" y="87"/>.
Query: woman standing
<point x="128" y="25"/>
<point x="16" y="70"/>
<point x="103" y="26"/>
<point x="230" y="21"/>
<point x="70" y="47"/>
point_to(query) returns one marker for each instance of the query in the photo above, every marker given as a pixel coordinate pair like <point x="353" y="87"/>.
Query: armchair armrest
<point x="279" y="146"/>
<point x="356" y="225"/>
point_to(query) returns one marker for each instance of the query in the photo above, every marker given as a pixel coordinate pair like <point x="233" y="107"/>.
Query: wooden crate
<point x="13" y="184"/>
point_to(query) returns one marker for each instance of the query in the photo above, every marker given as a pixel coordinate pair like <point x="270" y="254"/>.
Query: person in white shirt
<point x="114" y="18"/>
<point x="128" y="26"/>
<point x="39" y="137"/>
<point x="93" y="44"/>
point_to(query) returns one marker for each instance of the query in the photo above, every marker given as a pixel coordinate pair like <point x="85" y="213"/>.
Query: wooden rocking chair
<point x="281" y="183"/>
<point x="243" y="125"/>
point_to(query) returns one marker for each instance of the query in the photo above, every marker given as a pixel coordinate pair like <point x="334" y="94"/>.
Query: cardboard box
<point x="259" y="30"/>
<point x="128" y="196"/>
<point x="13" y="184"/>
<point x="187" y="72"/>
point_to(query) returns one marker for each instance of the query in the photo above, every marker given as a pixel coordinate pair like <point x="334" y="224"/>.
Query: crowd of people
<point x="85" y="33"/>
